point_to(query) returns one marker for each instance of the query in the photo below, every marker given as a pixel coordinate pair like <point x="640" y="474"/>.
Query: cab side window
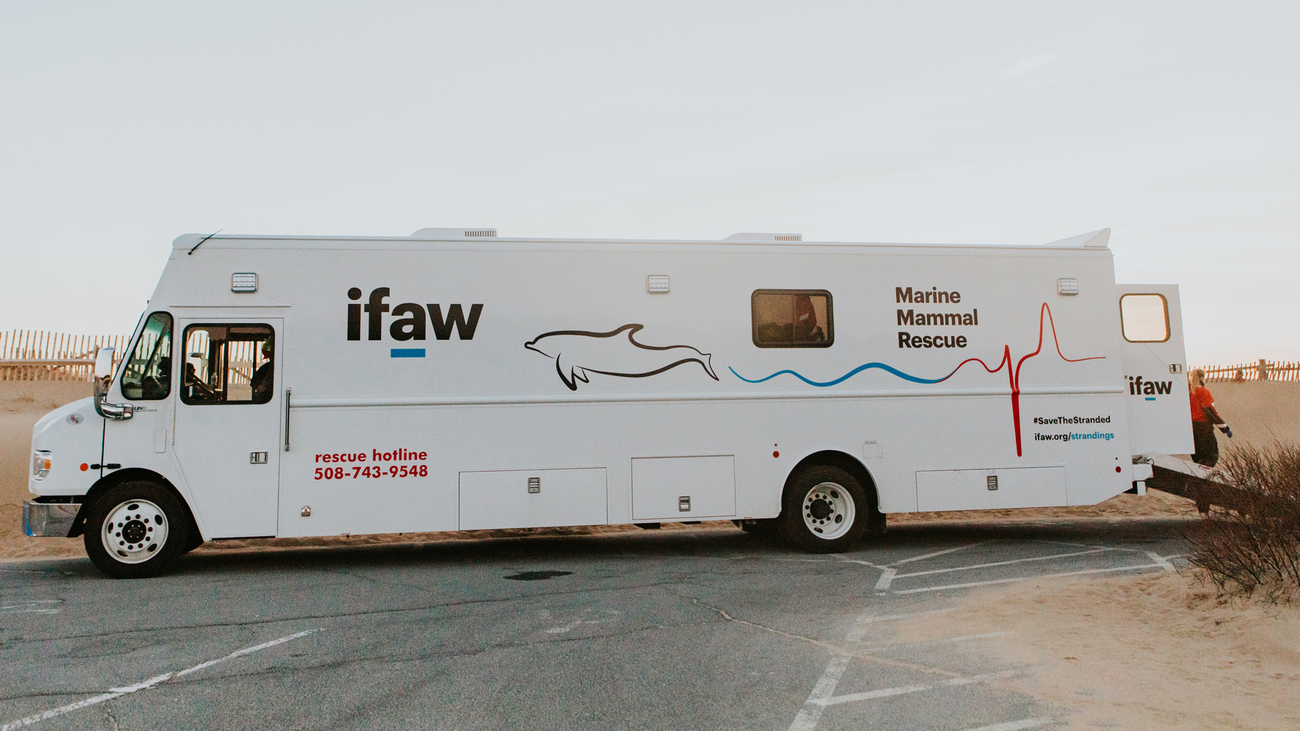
<point x="147" y="375"/>
<point x="792" y="318"/>
<point x="228" y="364"/>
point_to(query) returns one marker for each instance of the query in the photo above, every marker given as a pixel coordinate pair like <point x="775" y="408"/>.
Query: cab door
<point x="1155" y="365"/>
<point x="145" y="381"/>
<point x="228" y="415"/>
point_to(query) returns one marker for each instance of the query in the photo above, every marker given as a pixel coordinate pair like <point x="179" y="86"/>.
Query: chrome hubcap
<point x="134" y="531"/>
<point x="828" y="511"/>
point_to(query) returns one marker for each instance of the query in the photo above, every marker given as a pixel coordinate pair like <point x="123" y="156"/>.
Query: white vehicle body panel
<point x="552" y="359"/>
<point x="1158" y="410"/>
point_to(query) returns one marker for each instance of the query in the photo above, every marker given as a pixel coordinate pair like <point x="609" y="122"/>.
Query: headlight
<point x="41" y="462"/>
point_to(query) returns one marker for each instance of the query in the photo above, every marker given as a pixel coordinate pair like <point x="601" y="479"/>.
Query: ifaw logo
<point x="409" y="321"/>
<point x="1148" y="389"/>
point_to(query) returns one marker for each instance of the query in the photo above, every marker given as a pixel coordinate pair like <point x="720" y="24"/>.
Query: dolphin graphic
<point x="578" y="353"/>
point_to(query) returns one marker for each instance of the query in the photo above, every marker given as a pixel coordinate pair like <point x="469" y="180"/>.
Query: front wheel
<point x="135" y="530"/>
<point x="825" y="510"/>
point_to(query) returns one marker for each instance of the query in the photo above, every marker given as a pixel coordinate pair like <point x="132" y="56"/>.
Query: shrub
<point x="1250" y="542"/>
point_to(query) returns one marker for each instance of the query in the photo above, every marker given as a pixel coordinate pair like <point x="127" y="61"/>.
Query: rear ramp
<point x="1186" y="479"/>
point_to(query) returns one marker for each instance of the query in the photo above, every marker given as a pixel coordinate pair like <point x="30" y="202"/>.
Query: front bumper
<point x="49" y="520"/>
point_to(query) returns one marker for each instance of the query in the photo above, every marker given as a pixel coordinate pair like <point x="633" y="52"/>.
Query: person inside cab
<point x="261" y="381"/>
<point x="196" y="388"/>
<point x="159" y="383"/>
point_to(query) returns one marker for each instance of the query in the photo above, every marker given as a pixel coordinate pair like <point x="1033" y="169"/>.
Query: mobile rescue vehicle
<point x="456" y="380"/>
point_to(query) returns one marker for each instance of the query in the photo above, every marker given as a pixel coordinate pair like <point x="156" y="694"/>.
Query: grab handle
<point x="288" y="394"/>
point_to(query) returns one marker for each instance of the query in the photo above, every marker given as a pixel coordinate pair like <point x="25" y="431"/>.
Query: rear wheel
<point x="826" y="510"/>
<point x="136" y="530"/>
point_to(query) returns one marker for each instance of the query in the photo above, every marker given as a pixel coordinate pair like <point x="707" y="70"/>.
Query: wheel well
<point x="127" y="475"/>
<point x="845" y="462"/>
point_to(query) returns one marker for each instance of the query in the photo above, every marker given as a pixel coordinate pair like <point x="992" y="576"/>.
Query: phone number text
<point x="373" y="472"/>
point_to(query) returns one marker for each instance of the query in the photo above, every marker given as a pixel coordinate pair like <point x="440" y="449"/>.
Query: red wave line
<point x="1013" y="377"/>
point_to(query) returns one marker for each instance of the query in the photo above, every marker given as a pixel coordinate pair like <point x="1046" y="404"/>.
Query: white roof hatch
<point x="764" y="237"/>
<point x="455" y="233"/>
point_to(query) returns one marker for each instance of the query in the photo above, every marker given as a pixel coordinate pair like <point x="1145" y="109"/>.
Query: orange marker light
<point x="84" y="466"/>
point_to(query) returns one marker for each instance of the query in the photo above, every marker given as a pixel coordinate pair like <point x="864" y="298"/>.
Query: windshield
<point x="148" y="373"/>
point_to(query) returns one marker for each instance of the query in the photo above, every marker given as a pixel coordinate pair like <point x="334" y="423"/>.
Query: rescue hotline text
<point x="376" y="470"/>
<point x="397" y="455"/>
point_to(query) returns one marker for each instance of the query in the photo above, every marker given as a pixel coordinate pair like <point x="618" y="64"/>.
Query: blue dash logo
<point x="407" y="352"/>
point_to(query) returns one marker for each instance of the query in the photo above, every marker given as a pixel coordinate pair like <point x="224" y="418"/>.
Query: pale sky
<point x="1176" y="124"/>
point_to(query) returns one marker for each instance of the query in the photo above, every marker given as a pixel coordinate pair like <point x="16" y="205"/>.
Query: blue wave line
<point x="846" y="376"/>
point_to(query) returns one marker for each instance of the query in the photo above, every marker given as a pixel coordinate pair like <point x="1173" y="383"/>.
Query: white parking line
<point x="1002" y="563"/>
<point x="1016" y="725"/>
<point x="811" y="712"/>
<point x="882" y="585"/>
<point x="903" y="690"/>
<point x="1162" y="561"/>
<point x="38" y="606"/>
<point x="860" y="562"/>
<point x="144" y="685"/>
<point x="1024" y="578"/>
<point x="936" y="553"/>
<point x="1076" y="545"/>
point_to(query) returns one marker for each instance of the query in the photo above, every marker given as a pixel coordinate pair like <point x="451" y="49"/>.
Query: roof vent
<point x="764" y="237"/>
<point x="455" y="233"/>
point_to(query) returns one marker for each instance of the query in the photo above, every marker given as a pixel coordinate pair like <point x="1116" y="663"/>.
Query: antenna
<point x="205" y="238"/>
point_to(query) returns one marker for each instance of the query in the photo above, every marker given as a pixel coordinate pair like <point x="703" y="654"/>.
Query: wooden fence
<point x="1260" y="370"/>
<point x="35" y="355"/>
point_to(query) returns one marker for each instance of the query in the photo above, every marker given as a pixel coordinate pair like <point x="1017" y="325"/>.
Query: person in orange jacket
<point x="1204" y="418"/>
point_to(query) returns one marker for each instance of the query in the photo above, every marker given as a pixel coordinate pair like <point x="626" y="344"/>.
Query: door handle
<point x="288" y="393"/>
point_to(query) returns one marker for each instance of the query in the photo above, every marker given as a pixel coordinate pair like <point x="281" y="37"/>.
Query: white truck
<point x="457" y="380"/>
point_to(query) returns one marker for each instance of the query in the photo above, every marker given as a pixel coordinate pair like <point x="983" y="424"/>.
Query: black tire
<point x="149" y="529"/>
<point x="825" y="510"/>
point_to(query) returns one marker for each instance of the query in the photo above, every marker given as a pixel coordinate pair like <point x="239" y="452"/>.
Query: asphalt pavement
<point x="689" y="629"/>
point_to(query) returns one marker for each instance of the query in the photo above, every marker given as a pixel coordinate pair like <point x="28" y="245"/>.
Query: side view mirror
<point x="103" y="370"/>
<point x="104" y="376"/>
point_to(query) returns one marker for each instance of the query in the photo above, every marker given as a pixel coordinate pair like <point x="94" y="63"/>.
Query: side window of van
<point x="792" y="318"/>
<point x="228" y="364"/>
<point x="1144" y="318"/>
<point x="148" y="372"/>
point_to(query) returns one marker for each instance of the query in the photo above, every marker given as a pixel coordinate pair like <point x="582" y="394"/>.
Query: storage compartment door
<point x="683" y="488"/>
<point x="532" y="498"/>
<point x="1015" y="487"/>
<point x="1155" y="378"/>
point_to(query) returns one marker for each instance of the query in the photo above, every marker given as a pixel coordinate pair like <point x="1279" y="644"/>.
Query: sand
<point x="22" y="403"/>
<point x="1146" y="652"/>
